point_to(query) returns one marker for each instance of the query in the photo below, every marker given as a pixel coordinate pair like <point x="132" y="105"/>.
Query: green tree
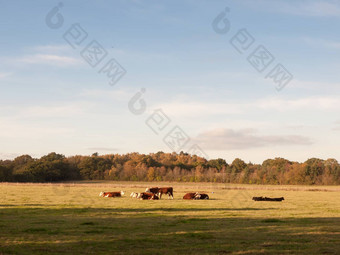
<point x="5" y="174"/>
<point x="314" y="168"/>
<point x="47" y="169"/>
<point x="238" y="165"/>
<point x="217" y="163"/>
<point x="93" y="168"/>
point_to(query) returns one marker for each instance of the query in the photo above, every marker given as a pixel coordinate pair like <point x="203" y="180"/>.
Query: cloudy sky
<point x="195" y="65"/>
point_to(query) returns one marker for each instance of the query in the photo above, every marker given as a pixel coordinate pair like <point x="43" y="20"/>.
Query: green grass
<point x="73" y="219"/>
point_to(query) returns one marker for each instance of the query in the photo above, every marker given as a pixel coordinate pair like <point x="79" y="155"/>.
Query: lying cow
<point x="135" y="195"/>
<point x="202" y="196"/>
<point x="160" y="191"/>
<point x="276" y="199"/>
<point x="196" y="196"/>
<point x="111" y="194"/>
<point x="147" y="196"/>
<point x="190" y="195"/>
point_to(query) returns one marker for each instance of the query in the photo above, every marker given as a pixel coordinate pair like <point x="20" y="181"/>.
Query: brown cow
<point x="196" y="196"/>
<point x="166" y="190"/>
<point x="154" y="190"/>
<point x="190" y="195"/>
<point x="161" y="191"/>
<point x="111" y="194"/>
<point x="148" y="196"/>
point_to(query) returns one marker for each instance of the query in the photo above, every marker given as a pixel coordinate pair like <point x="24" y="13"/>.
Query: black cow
<point x="275" y="199"/>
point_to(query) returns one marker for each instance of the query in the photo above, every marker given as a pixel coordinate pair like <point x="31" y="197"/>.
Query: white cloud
<point x="316" y="103"/>
<point x="197" y="108"/>
<point x="336" y="126"/>
<point x="316" y="8"/>
<point x="53" y="111"/>
<point x="49" y="60"/>
<point x="15" y="130"/>
<point x="102" y="149"/>
<point x="116" y="94"/>
<point x="317" y="42"/>
<point x="314" y="84"/>
<point x="10" y="156"/>
<point x="4" y="75"/>
<point x="333" y="44"/>
<point x="57" y="55"/>
<point x="50" y="110"/>
<point x="230" y="139"/>
<point x="52" y="48"/>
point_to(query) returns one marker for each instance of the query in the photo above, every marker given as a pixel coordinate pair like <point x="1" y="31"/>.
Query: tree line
<point x="161" y="166"/>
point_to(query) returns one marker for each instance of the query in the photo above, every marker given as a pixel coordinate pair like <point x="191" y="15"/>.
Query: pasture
<point x="73" y="219"/>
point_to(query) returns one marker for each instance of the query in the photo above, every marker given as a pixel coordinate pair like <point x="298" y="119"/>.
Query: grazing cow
<point x="160" y="191"/>
<point x="276" y="199"/>
<point x="148" y="196"/>
<point x="111" y="194"/>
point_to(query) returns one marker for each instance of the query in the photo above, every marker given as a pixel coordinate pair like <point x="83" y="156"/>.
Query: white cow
<point x="135" y="195"/>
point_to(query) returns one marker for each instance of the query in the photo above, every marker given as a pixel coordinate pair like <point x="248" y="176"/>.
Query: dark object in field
<point x="111" y="194"/>
<point x="277" y="199"/>
<point x="148" y="196"/>
<point x="196" y="196"/>
<point x="160" y="191"/>
<point x="202" y="196"/>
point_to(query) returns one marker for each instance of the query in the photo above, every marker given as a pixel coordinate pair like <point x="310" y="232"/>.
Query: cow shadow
<point x="190" y="209"/>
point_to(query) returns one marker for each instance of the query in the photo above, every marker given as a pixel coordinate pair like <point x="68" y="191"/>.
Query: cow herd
<point x="155" y="193"/>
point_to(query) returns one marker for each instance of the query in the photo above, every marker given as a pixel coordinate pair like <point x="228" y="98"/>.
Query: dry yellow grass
<point x="72" y="219"/>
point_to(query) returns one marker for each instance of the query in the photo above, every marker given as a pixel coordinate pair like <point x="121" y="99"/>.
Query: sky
<point x="223" y="79"/>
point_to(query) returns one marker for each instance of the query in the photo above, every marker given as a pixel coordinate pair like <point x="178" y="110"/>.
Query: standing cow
<point x="154" y="190"/>
<point x="160" y="191"/>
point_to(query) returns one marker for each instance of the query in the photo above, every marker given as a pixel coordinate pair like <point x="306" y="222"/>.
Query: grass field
<point x="73" y="219"/>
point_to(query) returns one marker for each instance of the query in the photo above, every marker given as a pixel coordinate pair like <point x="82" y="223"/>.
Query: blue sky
<point x="52" y="100"/>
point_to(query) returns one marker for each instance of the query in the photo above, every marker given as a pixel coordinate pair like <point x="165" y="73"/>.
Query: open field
<point x="73" y="219"/>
